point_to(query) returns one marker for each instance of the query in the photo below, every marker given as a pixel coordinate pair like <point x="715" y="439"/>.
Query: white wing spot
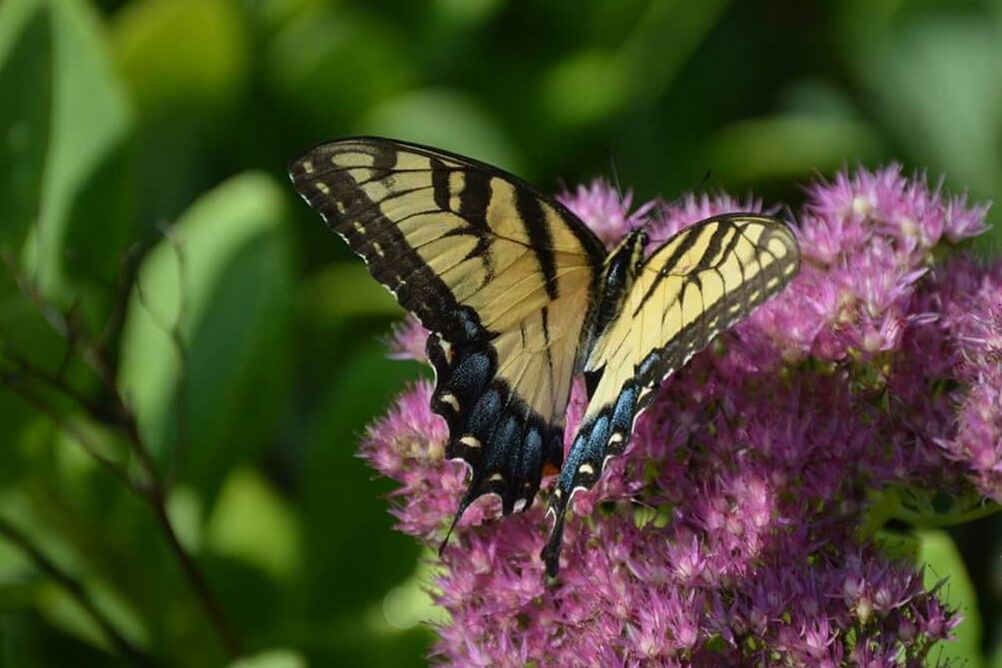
<point x="586" y="469"/>
<point x="359" y="227"/>
<point x="450" y="398"/>
<point x="495" y="477"/>
<point x="308" y="166"/>
<point x="616" y="439"/>
<point x="468" y="440"/>
<point x="322" y="187"/>
<point x="520" y="504"/>
<point x="379" y="249"/>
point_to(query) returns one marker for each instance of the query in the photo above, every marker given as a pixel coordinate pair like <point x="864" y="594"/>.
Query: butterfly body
<point x="519" y="296"/>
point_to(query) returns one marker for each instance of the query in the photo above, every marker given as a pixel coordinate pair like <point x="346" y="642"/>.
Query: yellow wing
<point x="501" y="275"/>
<point x="699" y="283"/>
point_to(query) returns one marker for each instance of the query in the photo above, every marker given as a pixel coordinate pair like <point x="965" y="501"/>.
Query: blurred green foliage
<point x="142" y="192"/>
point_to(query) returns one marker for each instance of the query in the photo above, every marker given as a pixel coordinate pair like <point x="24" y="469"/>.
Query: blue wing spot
<point x="622" y="415"/>
<point x="484" y="415"/>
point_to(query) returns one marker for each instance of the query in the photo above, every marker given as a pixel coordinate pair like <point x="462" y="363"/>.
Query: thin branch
<point x="153" y="489"/>
<point x="18" y="387"/>
<point x="176" y="337"/>
<point x="56" y="381"/>
<point x="210" y="604"/>
<point x="123" y="289"/>
<point x="75" y="589"/>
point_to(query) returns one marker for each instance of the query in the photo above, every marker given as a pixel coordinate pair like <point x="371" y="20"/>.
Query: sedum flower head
<point x="729" y="531"/>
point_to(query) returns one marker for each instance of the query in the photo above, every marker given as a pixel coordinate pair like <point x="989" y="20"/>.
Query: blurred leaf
<point x="88" y="121"/>
<point x="410" y="604"/>
<point x="665" y="37"/>
<point x="592" y="85"/>
<point x="63" y="611"/>
<point x="251" y="522"/>
<point x="184" y="507"/>
<point x="346" y="289"/>
<point x="787" y="147"/>
<point x="330" y="64"/>
<point x="275" y="658"/>
<point x="207" y="74"/>
<point x="935" y="81"/>
<point x="938" y="552"/>
<point x="925" y="508"/>
<point x="345" y="512"/>
<point x="464" y="13"/>
<point x="233" y="261"/>
<point x="444" y="119"/>
<point x="26" y="89"/>
<point x="585" y="88"/>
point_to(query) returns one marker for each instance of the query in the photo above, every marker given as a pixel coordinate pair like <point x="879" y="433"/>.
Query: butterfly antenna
<point x="615" y="174"/>
<point x="703" y="181"/>
<point x="788" y="211"/>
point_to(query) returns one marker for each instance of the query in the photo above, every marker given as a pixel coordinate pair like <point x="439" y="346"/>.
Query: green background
<point x="155" y="134"/>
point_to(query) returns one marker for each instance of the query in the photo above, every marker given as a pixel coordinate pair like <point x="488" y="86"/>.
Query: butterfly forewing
<point x="503" y="277"/>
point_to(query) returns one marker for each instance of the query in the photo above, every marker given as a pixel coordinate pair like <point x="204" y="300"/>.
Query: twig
<point x="75" y="589"/>
<point x="18" y="387"/>
<point x="153" y="488"/>
<point x="206" y="597"/>
<point x="173" y="332"/>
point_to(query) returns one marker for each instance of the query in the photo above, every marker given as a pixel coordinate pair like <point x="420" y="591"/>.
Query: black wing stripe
<point x="436" y="229"/>
<point x="687" y="243"/>
<point x="536" y="226"/>
<point x="607" y="426"/>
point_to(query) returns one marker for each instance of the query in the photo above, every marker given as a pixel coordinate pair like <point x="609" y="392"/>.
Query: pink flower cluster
<point x="729" y="531"/>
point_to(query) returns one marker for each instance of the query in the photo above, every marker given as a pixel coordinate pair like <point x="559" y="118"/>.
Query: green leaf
<point x="89" y="120"/>
<point x="445" y="119"/>
<point x="585" y="88"/>
<point x="275" y="658"/>
<point x="331" y="64"/>
<point x="350" y="547"/>
<point x="593" y="85"/>
<point x="26" y="89"/>
<point x="208" y="73"/>
<point x="222" y="283"/>
<point x="788" y="147"/>
<point x="943" y="561"/>
<point x="925" y="508"/>
<point x="934" y="82"/>
<point x="252" y="523"/>
<point x="347" y="290"/>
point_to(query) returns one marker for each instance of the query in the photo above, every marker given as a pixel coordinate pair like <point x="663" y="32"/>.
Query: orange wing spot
<point x="550" y="469"/>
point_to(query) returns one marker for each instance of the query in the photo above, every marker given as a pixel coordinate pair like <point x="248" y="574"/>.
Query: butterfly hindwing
<point x="501" y="276"/>
<point x="699" y="283"/>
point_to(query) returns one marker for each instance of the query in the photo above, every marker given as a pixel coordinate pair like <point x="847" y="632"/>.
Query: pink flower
<point x="728" y="531"/>
<point x="605" y="210"/>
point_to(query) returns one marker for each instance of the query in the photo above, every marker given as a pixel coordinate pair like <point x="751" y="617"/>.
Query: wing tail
<point x="491" y="427"/>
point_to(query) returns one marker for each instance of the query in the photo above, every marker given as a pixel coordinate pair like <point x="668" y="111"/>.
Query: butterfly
<point x="520" y="295"/>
